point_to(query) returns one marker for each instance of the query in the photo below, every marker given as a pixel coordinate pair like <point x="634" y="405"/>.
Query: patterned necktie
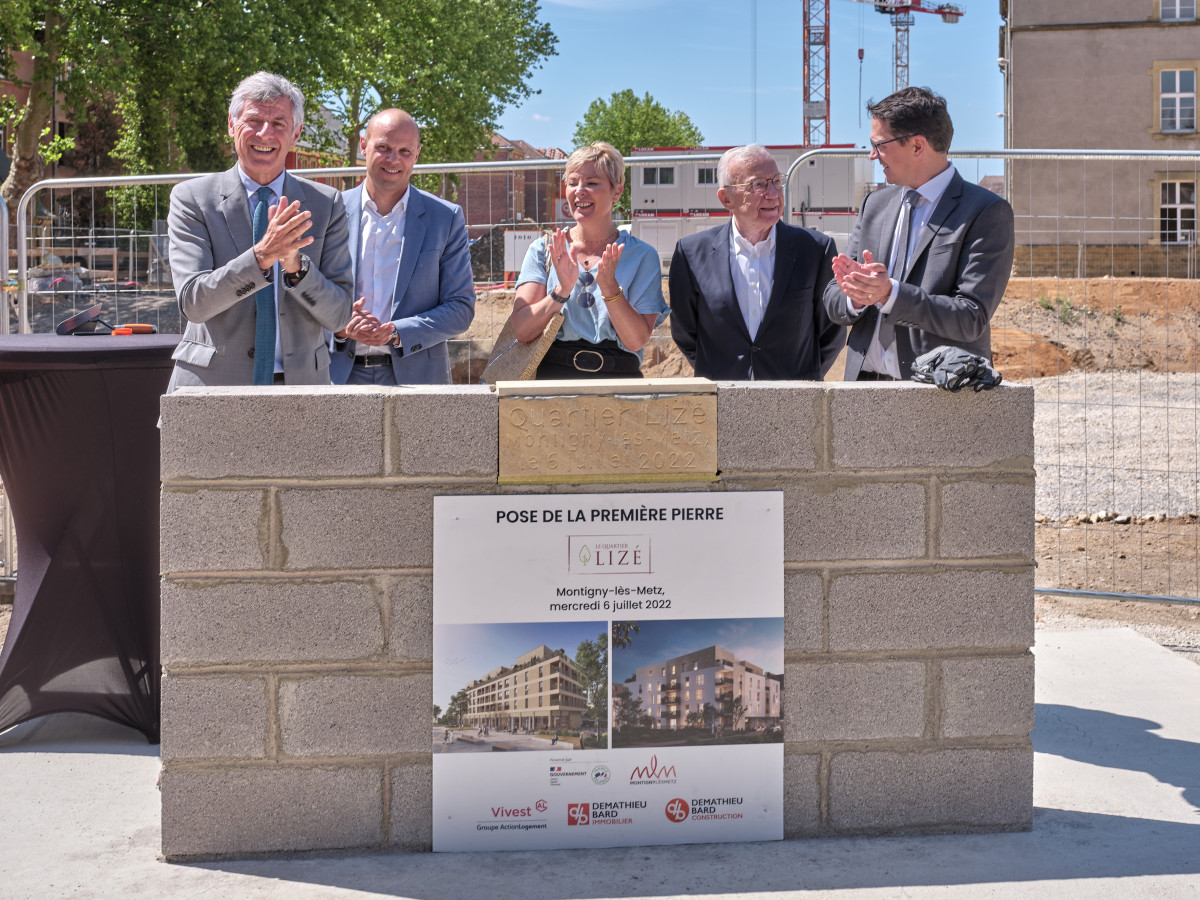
<point x="264" y="304"/>
<point x="887" y="331"/>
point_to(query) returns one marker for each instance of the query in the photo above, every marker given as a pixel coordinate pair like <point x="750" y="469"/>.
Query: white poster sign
<point x="607" y="669"/>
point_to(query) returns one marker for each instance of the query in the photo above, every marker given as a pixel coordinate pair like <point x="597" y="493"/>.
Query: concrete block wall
<point x="297" y="554"/>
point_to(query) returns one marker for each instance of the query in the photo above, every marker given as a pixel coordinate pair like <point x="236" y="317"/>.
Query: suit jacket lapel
<point x="236" y="209"/>
<point x="414" y="239"/>
<point x="717" y="277"/>
<point x="787" y="247"/>
<point x="353" y="202"/>
<point x="945" y="206"/>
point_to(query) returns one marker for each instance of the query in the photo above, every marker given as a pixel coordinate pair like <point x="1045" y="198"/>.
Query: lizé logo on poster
<point x="599" y="554"/>
<point x="653" y="773"/>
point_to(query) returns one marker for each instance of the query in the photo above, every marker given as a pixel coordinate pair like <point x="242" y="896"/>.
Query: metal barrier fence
<point x="1102" y="314"/>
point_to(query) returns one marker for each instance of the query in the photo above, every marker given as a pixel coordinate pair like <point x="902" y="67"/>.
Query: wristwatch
<point x="394" y="340"/>
<point x="554" y="296"/>
<point x="291" y="279"/>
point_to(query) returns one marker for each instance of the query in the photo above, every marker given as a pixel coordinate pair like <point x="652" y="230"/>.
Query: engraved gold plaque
<point x="608" y="431"/>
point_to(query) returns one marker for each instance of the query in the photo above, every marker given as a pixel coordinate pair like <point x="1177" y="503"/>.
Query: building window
<point x="706" y="176"/>
<point x="1177" y="223"/>
<point x="1177" y="10"/>
<point x="1177" y="100"/>
<point x="658" y="175"/>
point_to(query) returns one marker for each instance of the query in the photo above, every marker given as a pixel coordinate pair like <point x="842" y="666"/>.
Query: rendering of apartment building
<point x="541" y="690"/>
<point x="1102" y="75"/>
<point x="713" y="676"/>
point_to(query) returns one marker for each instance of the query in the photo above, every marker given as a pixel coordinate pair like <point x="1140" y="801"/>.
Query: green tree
<point x="627" y="121"/>
<point x="629" y="709"/>
<point x="591" y="659"/>
<point x="455" y="65"/>
<point x="456" y="709"/>
<point x="437" y="712"/>
<point x="736" y="710"/>
<point x="623" y="632"/>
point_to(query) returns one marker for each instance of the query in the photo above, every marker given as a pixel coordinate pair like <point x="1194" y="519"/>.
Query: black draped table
<point x="79" y="462"/>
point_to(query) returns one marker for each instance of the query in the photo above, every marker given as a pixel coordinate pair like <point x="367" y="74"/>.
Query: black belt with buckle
<point x="372" y="360"/>
<point x="607" y="357"/>
<point x="864" y="375"/>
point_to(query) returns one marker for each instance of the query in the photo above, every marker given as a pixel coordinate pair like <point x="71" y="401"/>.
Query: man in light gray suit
<point x="412" y="267"/>
<point x="259" y="258"/>
<point x="930" y="255"/>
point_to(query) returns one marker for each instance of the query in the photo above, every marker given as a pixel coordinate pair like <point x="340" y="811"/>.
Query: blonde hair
<point x="606" y="158"/>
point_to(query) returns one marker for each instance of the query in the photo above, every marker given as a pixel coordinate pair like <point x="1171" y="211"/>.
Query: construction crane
<point x="816" y="54"/>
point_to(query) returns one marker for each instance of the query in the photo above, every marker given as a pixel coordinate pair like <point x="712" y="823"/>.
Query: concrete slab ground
<point x="1116" y="789"/>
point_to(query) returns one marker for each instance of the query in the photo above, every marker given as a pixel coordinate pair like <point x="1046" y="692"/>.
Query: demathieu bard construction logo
<point x="608" y="554"/>
<point x="653" y="773"/>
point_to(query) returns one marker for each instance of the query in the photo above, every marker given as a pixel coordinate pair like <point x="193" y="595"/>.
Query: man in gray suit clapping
<point x="260" y="259"/>
<point x="930" y="255"/>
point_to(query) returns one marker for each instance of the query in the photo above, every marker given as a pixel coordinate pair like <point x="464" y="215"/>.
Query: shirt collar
<point x="767" y="245"/>
<point x="401" y="204"/>
<point x="933" y="189"/>
<point x="252" y="186"/>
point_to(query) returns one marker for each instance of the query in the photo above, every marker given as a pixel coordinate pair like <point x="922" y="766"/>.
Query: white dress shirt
<point x="276" y="187"/>
<point x="887" y="362"/>
<point x="753" y="270"/>
<point x="382" y="241"/>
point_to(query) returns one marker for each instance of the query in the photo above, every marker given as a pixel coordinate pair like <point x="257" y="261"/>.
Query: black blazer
<point x="796" y="339"/>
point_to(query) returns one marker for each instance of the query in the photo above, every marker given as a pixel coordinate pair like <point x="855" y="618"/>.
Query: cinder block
<point x="770" y="426"/>
<point x="212" y="531"/>
<point x="801" y="795"/>
<point x="411" y="597"/>
<point x="919" y="610"/>
<point x="981" y="519"/>
<point x="256" y="810"/>
<point x="213" y="717"/>
<point x="366" y="715"/>
<point x="987" y="697"/>
<point x="269" y="621"/>
<point x="412" y="807"/>
<point x="886" y="426"/>
<point x="868" y="520"/>
<point x="803" y="611"/>
<point x="853" y="701"/>
<point x="942" y="790"/>
<point x="357" y="528"/>
<point x="272" y="432"/>
<point x="446" y="430"/>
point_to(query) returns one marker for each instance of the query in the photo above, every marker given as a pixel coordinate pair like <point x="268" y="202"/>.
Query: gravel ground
<point x="1124" y="442"/>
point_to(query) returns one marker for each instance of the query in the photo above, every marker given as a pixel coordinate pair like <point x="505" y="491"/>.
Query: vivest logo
<point x="608" y="554"/>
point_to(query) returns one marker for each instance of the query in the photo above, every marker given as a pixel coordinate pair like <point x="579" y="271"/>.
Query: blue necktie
<point x="887" y="330"/>
<point x="264" y="304"/>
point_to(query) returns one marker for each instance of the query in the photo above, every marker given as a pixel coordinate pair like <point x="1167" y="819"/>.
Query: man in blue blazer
<point x="412" y="268"/>
<point x="930" y="255"/>
<point x="746" y="296"/>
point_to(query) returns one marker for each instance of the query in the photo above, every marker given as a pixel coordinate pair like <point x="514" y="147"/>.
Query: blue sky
<point x="695" y="57"/>
<point x="759" y="641"/>
<point x="463" y="653"/>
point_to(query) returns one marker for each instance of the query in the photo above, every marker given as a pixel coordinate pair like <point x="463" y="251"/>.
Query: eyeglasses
<point x="586" y="298"/>
<point x="760" y="185"/>
<point x="904" y="137"/>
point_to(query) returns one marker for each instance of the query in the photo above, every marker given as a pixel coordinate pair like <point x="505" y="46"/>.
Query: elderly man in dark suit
<point x="746" y="296"/>
<point x="930" y="255"/>
<point x="260" y="259"/>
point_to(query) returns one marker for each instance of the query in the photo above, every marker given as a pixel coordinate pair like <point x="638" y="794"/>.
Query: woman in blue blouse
<point x="607" y="283"/>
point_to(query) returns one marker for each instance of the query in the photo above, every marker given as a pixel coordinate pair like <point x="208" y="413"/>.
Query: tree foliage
<point x="629" y="709"/>
<point x="627" y="121"/>
<point x="591" y="658"/>
<point x="169" y="66"/>
<point x="453" y="64"/>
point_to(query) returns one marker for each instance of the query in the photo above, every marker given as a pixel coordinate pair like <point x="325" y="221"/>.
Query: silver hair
<point x="266" y="87"/>
<point x="737" y="154"/>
